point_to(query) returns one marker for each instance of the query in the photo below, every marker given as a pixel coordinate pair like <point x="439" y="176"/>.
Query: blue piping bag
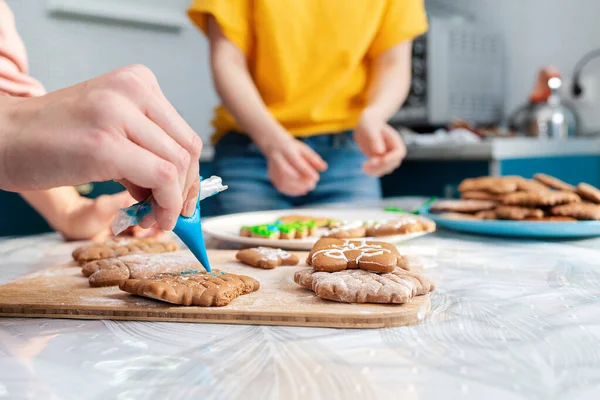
<point x="188" y="229"/>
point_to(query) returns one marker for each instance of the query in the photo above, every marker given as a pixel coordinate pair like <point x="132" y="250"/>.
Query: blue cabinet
<point x="427" y="172"/>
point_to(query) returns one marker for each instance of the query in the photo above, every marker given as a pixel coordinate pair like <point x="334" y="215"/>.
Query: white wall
<point x="544" y="32"/>
<point x="64" y="51"/>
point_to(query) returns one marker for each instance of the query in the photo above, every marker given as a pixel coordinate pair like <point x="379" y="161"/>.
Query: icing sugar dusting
<point x="142" y="265"/>
<point x="358" y="286"/>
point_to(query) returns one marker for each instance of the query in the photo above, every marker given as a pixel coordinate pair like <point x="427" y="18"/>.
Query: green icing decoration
<point x="311" y="224"/>
<point x="286" y="228"/>
<point x="416" y="211"/>
<point x="262" y="230"/>
<point x="394" y="209"/>
<point x="299" y="226"/>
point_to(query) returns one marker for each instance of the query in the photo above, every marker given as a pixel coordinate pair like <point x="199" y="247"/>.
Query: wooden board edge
<point x="364" y="322"/>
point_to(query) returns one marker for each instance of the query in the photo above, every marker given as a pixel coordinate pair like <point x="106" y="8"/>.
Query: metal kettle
<point x="545" y="115"/>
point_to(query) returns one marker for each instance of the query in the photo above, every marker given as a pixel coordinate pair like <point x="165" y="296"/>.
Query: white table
<point x="510" y="320"/>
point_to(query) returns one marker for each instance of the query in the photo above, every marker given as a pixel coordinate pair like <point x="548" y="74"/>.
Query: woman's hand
<point x="381" y="143"/>
<point x="293" y="166"/>
<point x="118" y="126"/>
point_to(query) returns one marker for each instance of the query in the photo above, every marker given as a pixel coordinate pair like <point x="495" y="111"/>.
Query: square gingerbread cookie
<point x="120" y="246"/>
<point x="193" y="287"/>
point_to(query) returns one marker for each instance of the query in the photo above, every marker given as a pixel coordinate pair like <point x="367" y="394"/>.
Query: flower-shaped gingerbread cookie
<point x="331" y="255"/>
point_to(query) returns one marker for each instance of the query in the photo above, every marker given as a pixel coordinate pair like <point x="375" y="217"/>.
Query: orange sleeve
<point x="233" y="16"/>
<point x="403" y="20"/>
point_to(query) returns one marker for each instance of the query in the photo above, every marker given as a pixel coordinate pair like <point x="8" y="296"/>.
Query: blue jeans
<point x="244" y="169"/>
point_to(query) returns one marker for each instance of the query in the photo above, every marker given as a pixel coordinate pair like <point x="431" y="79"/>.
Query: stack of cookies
<point x="543" y="198"/>
<point x="155" y="269"/>
<point x="361" y="271"/>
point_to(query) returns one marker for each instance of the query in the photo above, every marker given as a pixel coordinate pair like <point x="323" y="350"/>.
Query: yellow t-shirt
<point x="309" y="58"/>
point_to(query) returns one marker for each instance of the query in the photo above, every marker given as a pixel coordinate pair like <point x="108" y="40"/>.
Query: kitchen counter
<point x="510" y="319"/>
<point x="491" y="149"/>
<point x="506" y="148"/>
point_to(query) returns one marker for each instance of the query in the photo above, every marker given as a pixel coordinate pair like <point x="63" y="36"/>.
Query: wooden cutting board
<point x="62" y="291"/>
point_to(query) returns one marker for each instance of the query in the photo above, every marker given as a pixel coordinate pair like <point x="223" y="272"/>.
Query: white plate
<point x="227" y="227"/>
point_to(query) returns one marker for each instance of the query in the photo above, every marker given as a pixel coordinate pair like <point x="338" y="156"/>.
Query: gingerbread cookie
<point x="301" y="229"/>
<point x="112" y="271"/>
<point x="530" y="185"/>
<point x="551" y="218"/>
<point x="589" y="192"/>
<point x="581" y="211"/>
<point x="357" y="286"/>
<point x="459" y="216"/>
<point x="266" y="258"/>
<point x="346" y="230"/>
<point x="492" y="184"/>
<point x="553" y="182"/>
<point x="486" y="215"/>
<point x="287" y="231"/>
<point x="192" y="287"/>
<point x="481" y="195"/>
<point x="332" y="255"/>
<point x="116" y="247"/>
<point x="463" y="206"/>
<point x="517" y="213"/>
<point x="400" y="226"/>
<point x="536" y="199"/>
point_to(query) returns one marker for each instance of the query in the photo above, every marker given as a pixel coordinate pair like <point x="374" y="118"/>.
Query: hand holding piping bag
<point x="189" y="228"/>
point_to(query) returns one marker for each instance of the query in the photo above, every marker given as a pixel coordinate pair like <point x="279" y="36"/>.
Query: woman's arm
<point x="387" y="90"/>
<point x="293" y="166"/>
<point x="390" y="81"/>
<point x="238" y="91"/>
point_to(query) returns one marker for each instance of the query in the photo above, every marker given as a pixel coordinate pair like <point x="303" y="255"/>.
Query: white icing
<point x="211" y="186"/>
<point x="339" y="251"/>
<point x="346" y="226"/>
<point x="125" y="218"/>
<point x="273" y="254"/>
<point x="395" y="223"/>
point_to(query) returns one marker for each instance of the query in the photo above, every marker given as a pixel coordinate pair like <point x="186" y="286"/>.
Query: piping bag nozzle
<point x="188" y="229"/>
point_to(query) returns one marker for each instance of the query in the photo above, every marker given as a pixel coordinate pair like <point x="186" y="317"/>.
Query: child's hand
<point x="381" y="143"/>
<point x="90" y="218"/>
<point x="293" y="166"/>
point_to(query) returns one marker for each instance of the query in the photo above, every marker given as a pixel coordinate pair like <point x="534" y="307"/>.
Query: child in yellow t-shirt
<point x="307" y="87"/>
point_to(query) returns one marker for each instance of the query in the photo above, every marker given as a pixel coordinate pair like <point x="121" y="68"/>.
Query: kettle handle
<point x="542" y="90"/>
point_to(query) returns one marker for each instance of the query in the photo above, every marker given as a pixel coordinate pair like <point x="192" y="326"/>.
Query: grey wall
<point x="544" y="32"/>
<point x="65" y="51"/>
